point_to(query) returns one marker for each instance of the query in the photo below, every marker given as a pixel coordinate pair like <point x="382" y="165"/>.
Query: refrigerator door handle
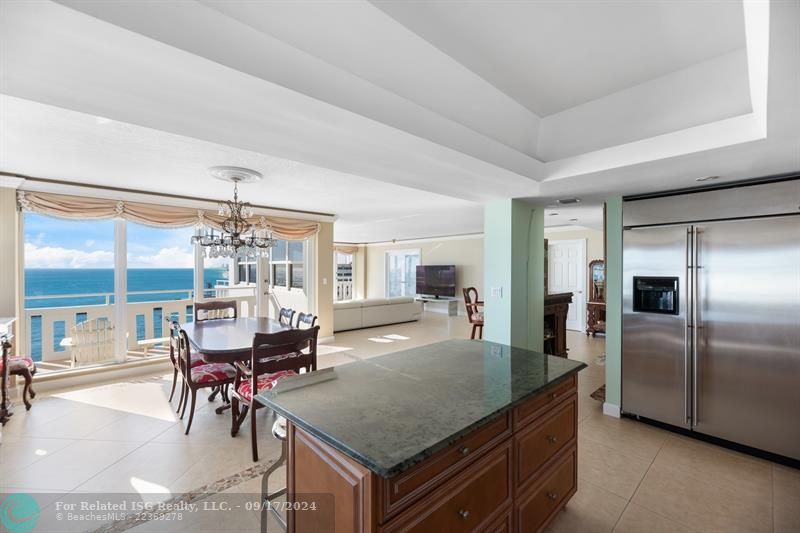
<point x="695" y="320"/>
<point x="687" y="332"/>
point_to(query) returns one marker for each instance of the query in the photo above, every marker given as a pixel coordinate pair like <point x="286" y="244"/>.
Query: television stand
<point x="439" y="304"/>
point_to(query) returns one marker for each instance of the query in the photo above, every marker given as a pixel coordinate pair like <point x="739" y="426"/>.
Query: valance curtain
<point x="345" y="249"/>
<point x="80" y="207"/>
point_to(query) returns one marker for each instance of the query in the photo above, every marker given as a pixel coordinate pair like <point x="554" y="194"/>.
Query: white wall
<point x="465" y="253"/>
<point x="594" y="239"/>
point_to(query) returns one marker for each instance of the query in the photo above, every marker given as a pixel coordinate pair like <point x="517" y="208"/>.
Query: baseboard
<point x="84" y="377"/>
<point x="323" y="340"/>
<point x="609" y="409"/>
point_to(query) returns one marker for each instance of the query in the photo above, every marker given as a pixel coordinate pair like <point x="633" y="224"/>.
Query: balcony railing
<point x="46" y="327"/>
<point x="344" y="290"/>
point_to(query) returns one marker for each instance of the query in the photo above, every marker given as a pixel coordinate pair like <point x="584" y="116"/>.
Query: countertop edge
<point x="421" y="456"/>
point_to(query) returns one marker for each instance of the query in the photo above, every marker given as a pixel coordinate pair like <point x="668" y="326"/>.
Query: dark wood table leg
<point x="5" y="402"/>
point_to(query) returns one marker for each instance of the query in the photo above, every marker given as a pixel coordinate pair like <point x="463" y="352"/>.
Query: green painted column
<point x="613" y="306"/>
<point x="514" y="273"/>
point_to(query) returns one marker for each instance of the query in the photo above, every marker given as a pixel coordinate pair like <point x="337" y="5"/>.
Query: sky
<point x="58" y="243"/>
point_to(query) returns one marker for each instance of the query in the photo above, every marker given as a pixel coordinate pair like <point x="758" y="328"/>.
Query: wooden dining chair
<point x="214" y="310"/>
<point x="275" y="356"/>
<point x="206" y="375"/>
<point x="174" y="355"/>
<point x="474" y="311"/>
<point x="285" y="316"/>
<point x="305" y="320"/>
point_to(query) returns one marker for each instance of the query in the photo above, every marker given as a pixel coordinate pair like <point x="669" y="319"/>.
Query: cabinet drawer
<point x="528" y="411"/>
<point x="473" y="500"/>
<point x="535" y="445"/>
<point x="412" y="484"/>
<point x="535" y="509"/>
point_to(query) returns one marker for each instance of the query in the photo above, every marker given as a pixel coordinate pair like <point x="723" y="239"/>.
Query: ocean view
<point x="64" y="283"/>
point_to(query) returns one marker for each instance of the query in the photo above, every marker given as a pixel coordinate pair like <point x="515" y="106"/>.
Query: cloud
<point x="173" y="257"/>
<point x="89" y="243"/>
<point x="55" y="257"/>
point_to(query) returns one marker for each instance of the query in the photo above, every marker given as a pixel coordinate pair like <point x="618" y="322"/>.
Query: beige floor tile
<point x="133" y="428"/>
<point x="606" y="467"/>
<point x="591" y="510"/>
<point x="699" y="502"/>
<point x="17" y="453"/>
<point x="588" y="406"/>
<point x="716" y="463"/>
<point x="786" y="499"/>
<point x="70" y="466"/>
<point x="637" y="519"/>
<point x="152" y="467"/>
<point x="74" y="423"/>
<point x="627" y="437"/>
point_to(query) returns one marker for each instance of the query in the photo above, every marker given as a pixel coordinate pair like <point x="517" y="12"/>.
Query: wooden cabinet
<point x="470" y="501"/>
<point x="536" y="507"/>
<point x="511" y="474"/>
<point x="405" y="488"/>
<point x="595" y="317"/>
<point x="556" y="307"/>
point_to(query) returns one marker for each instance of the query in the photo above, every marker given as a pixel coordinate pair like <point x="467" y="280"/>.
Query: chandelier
<point x="239" y="239"/>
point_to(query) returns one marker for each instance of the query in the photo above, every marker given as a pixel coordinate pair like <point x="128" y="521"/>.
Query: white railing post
<point x="120" y="289"/>
<point x="199" y="278"/>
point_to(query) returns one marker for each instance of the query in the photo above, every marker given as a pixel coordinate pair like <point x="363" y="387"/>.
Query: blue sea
<point x="61" y="282"/>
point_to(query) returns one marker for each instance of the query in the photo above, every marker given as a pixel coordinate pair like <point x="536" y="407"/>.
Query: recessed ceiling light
<point x="573" y="220"/>
<point x="568" y="201"/>
<point x="707" y="178"/>
<point x="552" y="214"/>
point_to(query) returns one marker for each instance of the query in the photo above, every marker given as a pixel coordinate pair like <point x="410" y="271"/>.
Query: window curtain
<point x="345" y="249"/>
<point x="80" y="207"/>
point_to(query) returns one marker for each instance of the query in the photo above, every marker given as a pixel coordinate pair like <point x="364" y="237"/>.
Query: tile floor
<point x="125" y="437"/>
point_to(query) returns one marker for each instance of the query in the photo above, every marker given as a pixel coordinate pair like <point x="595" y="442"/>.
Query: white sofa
<point x="357" y="314"/>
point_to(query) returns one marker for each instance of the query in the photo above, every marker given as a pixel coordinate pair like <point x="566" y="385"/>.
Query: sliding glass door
<point x="401" y="273"/>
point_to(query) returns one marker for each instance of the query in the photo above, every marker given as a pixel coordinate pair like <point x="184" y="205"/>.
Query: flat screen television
<point x="436" y="280"/>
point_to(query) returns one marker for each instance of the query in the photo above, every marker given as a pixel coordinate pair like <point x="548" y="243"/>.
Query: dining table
<point x="228" y="340"/>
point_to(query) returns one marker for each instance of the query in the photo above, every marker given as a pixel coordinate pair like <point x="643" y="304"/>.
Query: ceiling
<point x="401" y="118"/>
<point x="551" y="55"/>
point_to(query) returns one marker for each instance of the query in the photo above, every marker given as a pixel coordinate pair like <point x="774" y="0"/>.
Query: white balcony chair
<point x="92" y="342"/>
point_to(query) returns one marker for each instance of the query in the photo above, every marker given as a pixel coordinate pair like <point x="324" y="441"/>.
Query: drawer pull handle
<point x="552" y="395"/>
<point x="552" y="496"/>
<point x="464" y="450"/>
<point x="464" y="514"/>
<point x="552" y="439"/>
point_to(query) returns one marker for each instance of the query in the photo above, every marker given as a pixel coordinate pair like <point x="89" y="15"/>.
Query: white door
<point x="567" y="273"/>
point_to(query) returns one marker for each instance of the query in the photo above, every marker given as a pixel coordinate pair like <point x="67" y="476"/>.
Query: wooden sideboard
<point x="556" y="307"/>
<point x="513" y="473"/>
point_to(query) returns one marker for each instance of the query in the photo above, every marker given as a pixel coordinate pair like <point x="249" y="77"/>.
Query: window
<point x="344" y="277"/>
<point x="401" y="273"/>
<point x="69" y="279"/>
<point x="247" y="272"/>
<point x="287" y="264"/>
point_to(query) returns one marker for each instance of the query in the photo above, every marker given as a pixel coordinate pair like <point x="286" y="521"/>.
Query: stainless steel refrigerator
<point x="711" y="313"/>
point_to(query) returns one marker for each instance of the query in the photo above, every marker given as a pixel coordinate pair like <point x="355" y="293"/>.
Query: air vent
<point x="568" y="201"/>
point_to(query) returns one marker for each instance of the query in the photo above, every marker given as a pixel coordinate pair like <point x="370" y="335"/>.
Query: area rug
<point x="196" y="495"/>
<point x="599" y="394"/>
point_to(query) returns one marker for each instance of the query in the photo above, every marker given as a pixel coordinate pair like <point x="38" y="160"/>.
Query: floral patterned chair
<point x="275" y="356"/>
<point x="196" y="377"/>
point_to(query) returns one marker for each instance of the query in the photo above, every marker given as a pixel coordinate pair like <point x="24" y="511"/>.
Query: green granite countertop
<point x="393" y="411"/>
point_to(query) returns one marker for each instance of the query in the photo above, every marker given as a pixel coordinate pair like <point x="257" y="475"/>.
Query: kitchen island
<point x="454" y="436"/>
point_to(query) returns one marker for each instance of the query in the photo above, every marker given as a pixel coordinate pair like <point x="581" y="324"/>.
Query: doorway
<point x="567" y="273"/>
